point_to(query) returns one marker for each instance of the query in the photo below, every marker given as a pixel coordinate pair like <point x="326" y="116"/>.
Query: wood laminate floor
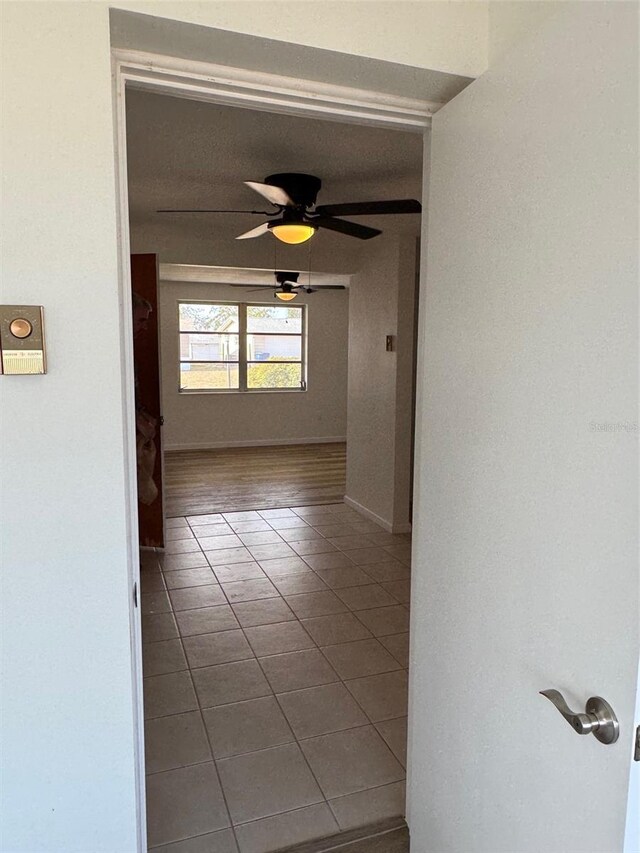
<point x="198" y="482"/>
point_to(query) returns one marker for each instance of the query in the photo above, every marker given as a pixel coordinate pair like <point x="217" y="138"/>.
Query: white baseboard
<point x="389" y="526"/>
<point x="263" y="442"/>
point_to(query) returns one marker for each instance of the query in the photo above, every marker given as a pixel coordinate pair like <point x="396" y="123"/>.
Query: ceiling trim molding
<point x="200" y="274"/>
<point x="240" y="87"/>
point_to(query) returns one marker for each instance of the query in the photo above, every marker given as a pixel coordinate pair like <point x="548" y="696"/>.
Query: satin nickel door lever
<point x="598" y="718"/>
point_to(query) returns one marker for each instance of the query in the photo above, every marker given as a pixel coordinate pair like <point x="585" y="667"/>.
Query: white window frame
<point x="243" y="361"/>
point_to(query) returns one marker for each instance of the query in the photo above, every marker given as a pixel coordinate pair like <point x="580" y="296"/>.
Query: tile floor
<point x="275" y="646"/>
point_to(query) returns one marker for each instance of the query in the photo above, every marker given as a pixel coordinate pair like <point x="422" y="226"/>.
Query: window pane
<point x="273" y="374"/>
<point x="208" y="318"/>
<point x="274" y="348"/>
<point x="194" y="347"/>
<point x="274" y="318"/>
<point x="208" y="376"/>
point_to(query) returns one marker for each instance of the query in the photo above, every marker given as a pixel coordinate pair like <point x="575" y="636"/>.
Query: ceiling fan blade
<point x="255" y="232"/>
<point x="328" y="287"/>
<point x="206" y="210"/>
<point x="351" y="229"/>
<point x="259" y="287"/>
<point x="370" y="208"/>
<point x="276" y="195"/>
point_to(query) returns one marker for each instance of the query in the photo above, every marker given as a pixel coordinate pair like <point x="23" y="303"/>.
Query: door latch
<point x="135" y="594"/>
<point x="598" y="717"/>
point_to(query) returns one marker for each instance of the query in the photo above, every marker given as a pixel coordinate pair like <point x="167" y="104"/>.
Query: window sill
<point x="196" y="391"/>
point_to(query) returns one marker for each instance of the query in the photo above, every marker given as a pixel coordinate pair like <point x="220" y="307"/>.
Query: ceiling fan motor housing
<point x="302" y="189"/>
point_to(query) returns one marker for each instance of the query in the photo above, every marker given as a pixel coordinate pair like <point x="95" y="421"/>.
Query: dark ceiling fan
<point x="297" y="217"/>
<point x="287" y="288"/>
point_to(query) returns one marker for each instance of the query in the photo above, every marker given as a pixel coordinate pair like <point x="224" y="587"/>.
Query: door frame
<point x="231" y="86"/>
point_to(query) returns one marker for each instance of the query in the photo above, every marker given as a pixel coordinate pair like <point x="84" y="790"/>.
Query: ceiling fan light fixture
<point x="293" y="232"/>
<point x="285" y="296"/>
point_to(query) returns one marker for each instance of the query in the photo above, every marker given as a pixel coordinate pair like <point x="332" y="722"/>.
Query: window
<point x="240" y="347"/>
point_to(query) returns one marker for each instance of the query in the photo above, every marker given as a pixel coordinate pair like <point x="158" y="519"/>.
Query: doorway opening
<point x="270" y="658"/>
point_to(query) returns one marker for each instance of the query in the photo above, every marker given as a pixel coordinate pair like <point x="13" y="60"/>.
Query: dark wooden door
<point x="146" y="355"/>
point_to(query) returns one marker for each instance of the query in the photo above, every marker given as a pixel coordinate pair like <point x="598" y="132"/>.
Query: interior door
<point x="146" y="356"/>
<point x="526" y="517"/>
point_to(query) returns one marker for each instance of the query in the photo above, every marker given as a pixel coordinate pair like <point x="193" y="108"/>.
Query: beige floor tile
<point x="287" y="523"/>
<point x="181" y="546"/>
<point x="313" y="546"/>
<point x="271" y="552"/>
<point x="389" y="571"/>
<point x="315" y="604"/>
<point x="334" y="529"/>
<point x="296" y="670"/>
<point x="383" y="539"/>
<point x="151" y="581"/>
<point x="313" y="515"/>
<point x="168" y="694"/>
<point x="299" y="534"/>
<point x="283" y="830"/>
<point x="238" y="572"/>
<point x="283" y="566"/>
<point x="278" y="512"/>
<point x="398" y="645"/>
<point x="335" y="560"/>
<point x="249" y="526"/>
<point x="228" y="556"/>
<point x="356" y="660"/>
<point x="348" y="543"/>
<point x="394" y="733"/>
<point x="277" y="639"/>
<point x="206" y="530"/>
<point x="220" y="542"/>
<point x="400" y="552"/>
<point x="183" y="803"/>
<point x="199" y="520"/>
<point x="178" y="521"/>
<point x="176" y="562"/>
<point x="365" y="807"/>
<point x="249" y="590"/>
<point x="189" y="577"/>
<point x="337" y="628"/>
<point x="366" y="597"/>
<point x="267" y="611"/>
<point x="206" y="620"/>
<point x="244" y="515"/>
<point x="296" y="584"/>
<point x="367" y="556"/>
<point x="350" y="761"/>
<point x="345" y="577"/>
<point x="266" y="783"/>
<point x="163" y="657"/>
<point x="382" y="697"/>
<point x="175" y="741"/>
<point x="367" y="527"/>
<point x="246" y="727"/>
<point x="400" y="590"/>
<point x="159" y="626"/>
<point x="230" y="682"/>
<point x="382" y="621"/>
<point x="211" y="649"/>
<point x="223" y="841"/>
<point x="195" y="597"/>
<point x="320" y="710"/>
<point x="261" y="537"/>
<point x="173" y="534"/>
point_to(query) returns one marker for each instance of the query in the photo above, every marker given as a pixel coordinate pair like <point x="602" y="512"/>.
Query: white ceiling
<point x="184" y="153"/>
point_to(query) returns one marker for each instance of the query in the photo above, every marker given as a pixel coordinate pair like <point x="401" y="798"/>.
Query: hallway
<point x="275" y="648"/>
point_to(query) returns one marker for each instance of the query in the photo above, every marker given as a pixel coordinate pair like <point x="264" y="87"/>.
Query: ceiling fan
<point x="297" y="218"/>
<point x="286" y="287"/>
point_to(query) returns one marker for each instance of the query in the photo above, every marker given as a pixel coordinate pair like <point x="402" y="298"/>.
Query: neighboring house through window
<point x="242" y="347"/>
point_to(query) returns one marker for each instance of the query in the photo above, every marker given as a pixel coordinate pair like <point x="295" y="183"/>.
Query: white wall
<point x="68" y="721"/>
<point x="228" y="420"/>
<point x="379" y="397"/>
<point x="514" y="21"/>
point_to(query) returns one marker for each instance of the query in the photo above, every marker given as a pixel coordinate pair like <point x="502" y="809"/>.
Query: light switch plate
<point x="22" y="340"/>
